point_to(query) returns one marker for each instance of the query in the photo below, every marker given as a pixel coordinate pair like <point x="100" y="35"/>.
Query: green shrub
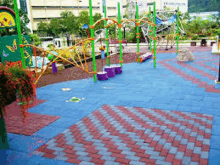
<point x="195" y="37"/>
<point x="35" y="40"/>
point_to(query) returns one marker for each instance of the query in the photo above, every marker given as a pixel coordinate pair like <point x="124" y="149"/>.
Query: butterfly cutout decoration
<point x="25" y="41"/>
<point x="14" y="47"/>
<point x="4" y="54"/>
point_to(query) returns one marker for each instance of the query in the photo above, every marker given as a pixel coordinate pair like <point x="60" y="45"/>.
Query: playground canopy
<point x="168" y="21"/>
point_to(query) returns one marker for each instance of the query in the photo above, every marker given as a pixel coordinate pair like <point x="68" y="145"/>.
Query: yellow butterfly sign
<point x="14" y="46"/>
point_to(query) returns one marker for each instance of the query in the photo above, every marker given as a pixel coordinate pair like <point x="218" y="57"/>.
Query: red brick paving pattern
<point x="125" y="135"/>
<point x="193" y="79"/>
<point x="34" y="122"/>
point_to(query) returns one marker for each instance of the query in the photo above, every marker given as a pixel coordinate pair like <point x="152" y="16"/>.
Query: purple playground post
<point x="102" y="76"/>
<point x="110" y="71"/>
<point x="118" y="69"/>
<point x="54" y="68"/>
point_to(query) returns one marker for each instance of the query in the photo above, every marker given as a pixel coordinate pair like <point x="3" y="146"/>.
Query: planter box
<point x="203" y="42"/>
<point x="193" y="43"/>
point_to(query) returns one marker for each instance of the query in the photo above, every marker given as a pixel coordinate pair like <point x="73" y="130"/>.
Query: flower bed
<point x="16" y="84"/>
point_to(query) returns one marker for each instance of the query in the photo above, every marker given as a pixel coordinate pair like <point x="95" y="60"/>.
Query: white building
<point x="45" y="10"/>
<point x="161" y="4"/>
<point x="24" y="5"/>
<point x="204" y="15"/>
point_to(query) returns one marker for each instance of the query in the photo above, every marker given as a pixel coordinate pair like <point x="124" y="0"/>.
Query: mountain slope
<point x="203" y="5"/>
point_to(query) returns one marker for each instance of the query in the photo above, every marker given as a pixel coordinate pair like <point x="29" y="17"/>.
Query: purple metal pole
<point x="219" y="71"/>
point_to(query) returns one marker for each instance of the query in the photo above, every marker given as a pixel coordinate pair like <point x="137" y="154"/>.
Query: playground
<point x="150" y="107"/>
<point x="177" y="119"/>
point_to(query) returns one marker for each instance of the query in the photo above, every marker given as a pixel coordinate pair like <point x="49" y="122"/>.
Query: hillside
<point x="203" y="5"/>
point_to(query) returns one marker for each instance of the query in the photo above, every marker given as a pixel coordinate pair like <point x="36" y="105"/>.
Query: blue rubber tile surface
<point x="31" y="143"/>
<point x="45" y="161"/>
<point x="139" y="85"/>
<point x="48" y="132"/>
<point x="214" y="157"/>
<point x="215" y="142"/>
<point x="13" y="157"/>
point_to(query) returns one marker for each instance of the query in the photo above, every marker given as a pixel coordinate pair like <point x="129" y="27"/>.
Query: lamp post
<point x="124" y="30"/>
<point x="218" y="46"/>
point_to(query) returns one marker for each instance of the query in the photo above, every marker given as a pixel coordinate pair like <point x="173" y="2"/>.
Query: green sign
<point x="10" y="51"/>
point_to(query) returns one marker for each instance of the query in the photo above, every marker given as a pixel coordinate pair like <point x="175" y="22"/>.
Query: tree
<point x="68" y="23"/>
<point x="7" y="3"/>
<point x="35" y="40"/>
<point x="24" y="20"/>
<point x="43" y="29"/>
<point x="195" y="26"/>
<point x="97" y="17"/>
<point x="55" y="26"/>
<point x="186" y="16"/>
<point x="83" y="19"/>
<point x="130" y="9"/>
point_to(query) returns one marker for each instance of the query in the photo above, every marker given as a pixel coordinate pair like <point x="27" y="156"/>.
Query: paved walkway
<point x="178" y="114"/>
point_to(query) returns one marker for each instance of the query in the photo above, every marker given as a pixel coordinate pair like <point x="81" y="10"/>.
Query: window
<point x="84" y="7"/>
<point x="23" y="5"/>
<point x="111" y="7"/>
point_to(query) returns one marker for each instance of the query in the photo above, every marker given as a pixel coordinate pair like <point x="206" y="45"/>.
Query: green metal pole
<point x="92" y="41"/>
<point x="19" y="33"/>
<point x="154" y="35"/>
<point x="106" y="37"/>
<point x="120" y="38"/>
<point x="138" y="34"/>
<point x="150" y="34"/>
<point x="177" y="42"/>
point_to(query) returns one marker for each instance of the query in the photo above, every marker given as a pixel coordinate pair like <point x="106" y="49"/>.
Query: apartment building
<point x="160" y="4"/>
<point x="45" y="10"/>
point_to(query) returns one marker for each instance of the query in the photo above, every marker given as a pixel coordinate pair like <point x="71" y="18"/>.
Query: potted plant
<point x="16" y="84"/>
<point x="195" y="37"/>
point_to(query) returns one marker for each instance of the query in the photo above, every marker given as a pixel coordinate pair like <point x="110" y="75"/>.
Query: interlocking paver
<point x="136" y="147"/>
<point x="197" y="150"/>
<point x="179" y="155"/>
<point x="86" y="163"/>
<point x="173" y="150"/>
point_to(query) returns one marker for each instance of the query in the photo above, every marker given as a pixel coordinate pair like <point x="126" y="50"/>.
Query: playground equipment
<point x="79" y="58"/>
<point x="167" y="29"/>
<point x="215" y="46"/>
<point x="144" y="57"/>
<point x="119" y="23"/>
